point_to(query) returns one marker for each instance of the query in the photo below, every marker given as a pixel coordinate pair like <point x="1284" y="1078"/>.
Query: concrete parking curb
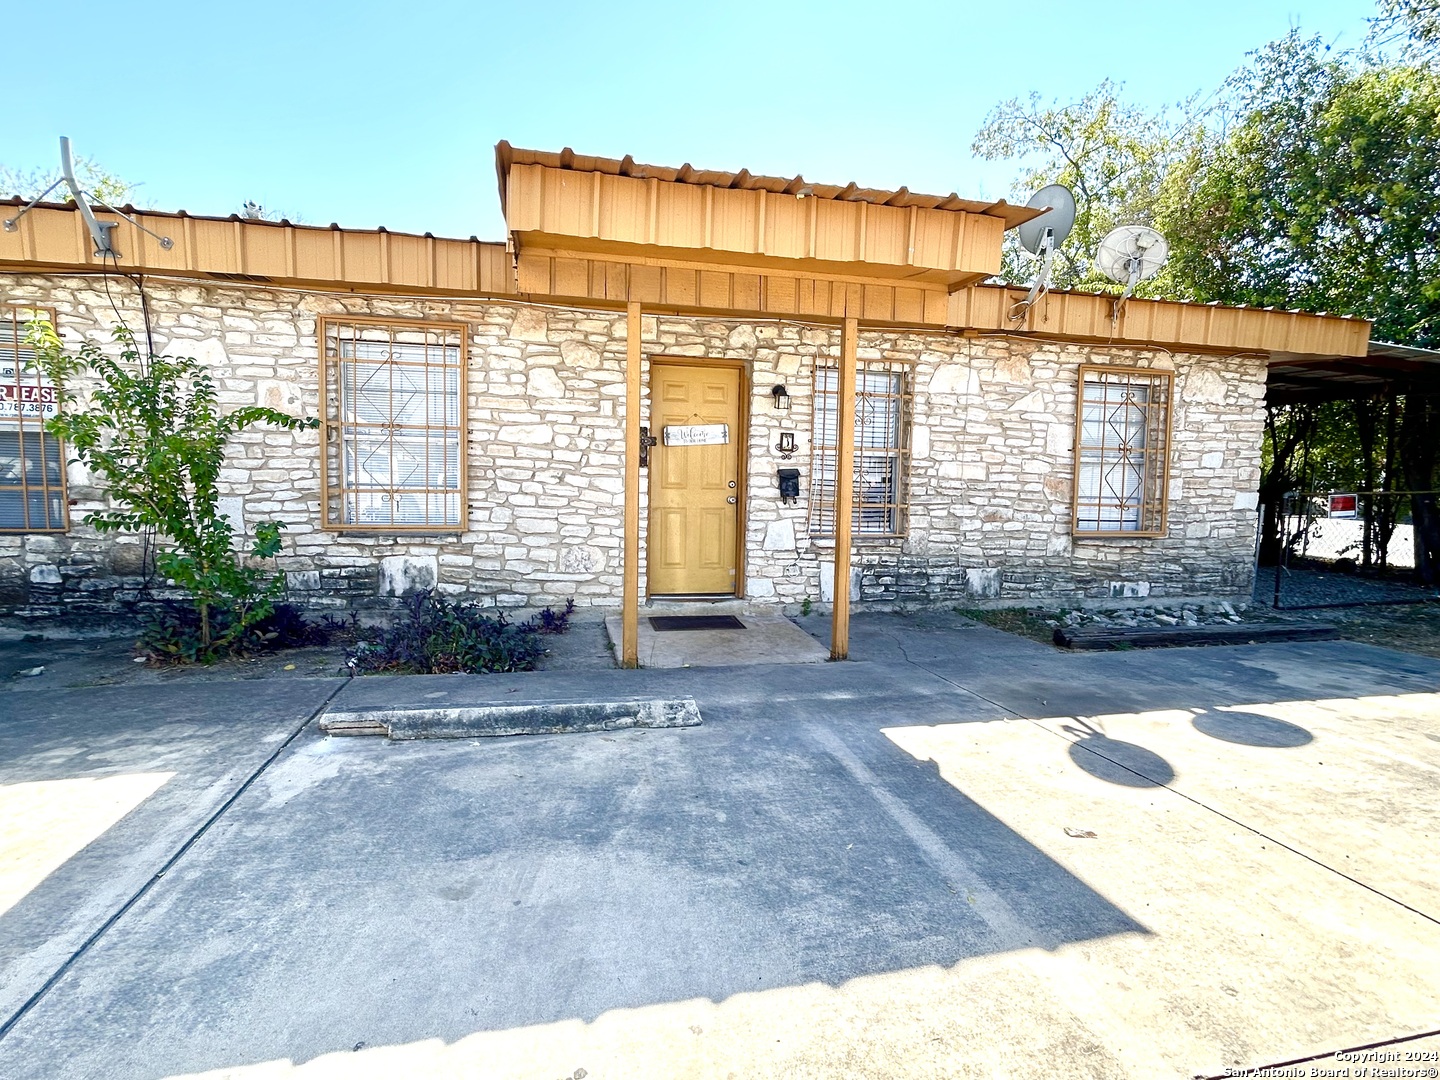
<point x="512" y="718"/>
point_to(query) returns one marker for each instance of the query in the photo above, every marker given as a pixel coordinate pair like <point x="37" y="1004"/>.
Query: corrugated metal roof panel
<point x="507" y="155"/>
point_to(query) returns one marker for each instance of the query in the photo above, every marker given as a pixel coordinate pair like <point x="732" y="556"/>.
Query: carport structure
<point x="1385" y="369"/>
<point x="1406" y="438"/>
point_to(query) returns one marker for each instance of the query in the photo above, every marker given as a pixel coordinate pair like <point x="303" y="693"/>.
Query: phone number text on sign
<point x="27" y="400"/>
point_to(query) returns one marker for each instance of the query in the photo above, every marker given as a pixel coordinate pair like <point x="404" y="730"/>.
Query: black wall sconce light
<point x="781" y="398"/>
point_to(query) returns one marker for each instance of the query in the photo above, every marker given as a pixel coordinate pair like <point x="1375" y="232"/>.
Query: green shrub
<point x="173" y="633"/>
<point x="153" y="433"/>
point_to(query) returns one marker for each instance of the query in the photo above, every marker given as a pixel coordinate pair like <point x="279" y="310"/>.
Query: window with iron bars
<point x="1122" y="450"/>
<point x="394" y="432"/>
<point x="32" y="462"/>
<point x="882" y="450"/>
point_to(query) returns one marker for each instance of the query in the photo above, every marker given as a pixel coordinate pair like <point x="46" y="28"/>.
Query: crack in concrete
<point x="180" y="852"/>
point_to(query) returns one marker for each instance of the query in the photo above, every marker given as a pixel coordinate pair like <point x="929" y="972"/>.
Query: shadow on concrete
<point x="1251" y="729"/>
<point x="112" y="781"/>
<point x="383" y="894"/>
<point x="1115" y="760"/>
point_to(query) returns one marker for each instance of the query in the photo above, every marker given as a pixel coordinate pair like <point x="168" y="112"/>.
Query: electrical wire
<point x="148" y="533"/>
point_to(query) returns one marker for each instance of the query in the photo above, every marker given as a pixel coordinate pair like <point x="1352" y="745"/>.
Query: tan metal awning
<point x="507" y="156"/>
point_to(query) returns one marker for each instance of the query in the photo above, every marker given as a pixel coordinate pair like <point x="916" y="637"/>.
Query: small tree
<point x="153" y="431"/>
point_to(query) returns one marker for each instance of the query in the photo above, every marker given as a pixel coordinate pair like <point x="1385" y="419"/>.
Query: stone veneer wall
<point x="992" y="437"/>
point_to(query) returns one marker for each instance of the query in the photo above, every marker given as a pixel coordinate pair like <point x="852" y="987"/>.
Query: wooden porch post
<point x="844" y="490"/>
<point x="630" y="603"/>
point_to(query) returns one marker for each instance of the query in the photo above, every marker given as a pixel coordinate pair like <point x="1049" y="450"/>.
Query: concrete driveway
<point x="962" y="854"/>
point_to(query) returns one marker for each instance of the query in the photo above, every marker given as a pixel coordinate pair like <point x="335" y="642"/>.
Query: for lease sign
<point x="27" y="399"/>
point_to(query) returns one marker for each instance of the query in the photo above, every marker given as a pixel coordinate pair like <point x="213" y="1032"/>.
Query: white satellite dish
<point x="1129" y="255"/>
<point x="1042" y="235"/>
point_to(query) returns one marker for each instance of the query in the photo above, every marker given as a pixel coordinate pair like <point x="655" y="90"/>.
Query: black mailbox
<point x="789" y="485"/>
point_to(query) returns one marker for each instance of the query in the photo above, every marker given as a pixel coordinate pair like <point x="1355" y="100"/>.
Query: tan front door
<point x="694" y="490"/>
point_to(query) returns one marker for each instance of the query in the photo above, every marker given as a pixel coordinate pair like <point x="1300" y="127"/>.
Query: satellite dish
<point x="1131" y="254"/>
<point x="1042" y="234"/>
<point x="1058" y="219"/>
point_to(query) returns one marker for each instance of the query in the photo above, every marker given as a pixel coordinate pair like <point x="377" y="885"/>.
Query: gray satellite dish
<point x="1058" y="219"/>
<point x="1129" y="255"/>
<point x="1042" y="235"/>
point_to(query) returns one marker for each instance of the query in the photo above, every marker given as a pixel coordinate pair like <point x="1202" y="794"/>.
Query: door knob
<point x="730" y="499"/>
<point x="732" y="483"/>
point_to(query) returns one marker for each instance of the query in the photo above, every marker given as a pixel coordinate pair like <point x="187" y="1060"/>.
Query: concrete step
<point x="694" y="606"/>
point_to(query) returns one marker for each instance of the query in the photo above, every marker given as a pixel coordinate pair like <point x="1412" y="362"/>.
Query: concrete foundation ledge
<point x="512" y="718"/>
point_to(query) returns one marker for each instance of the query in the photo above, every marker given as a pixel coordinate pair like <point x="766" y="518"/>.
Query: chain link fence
<point x="1343" y="549"/>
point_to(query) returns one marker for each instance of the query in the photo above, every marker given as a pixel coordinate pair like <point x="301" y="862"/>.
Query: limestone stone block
<point x="779" y="536"/>
<point x="45" y="574"/>
<point x="1129" y="589"/>
<point x="530" y="324"/>
<point x="577" y="354"/>
<point x="954" y="377"/>
<point x="302" y="580"/>
<point x="919" y="442"/>
<point x="1204" y="382"/>
<point x="827" y="581"/>
<point x="281" y="394"/>
<point x="208" y="351"/>
<point x="1247" y="500"/>
<point x="232" y="509"/>
<point x="582" y="559"/>
<point x="127" y="559"/>
<point x="542" y="382"/>
<point x="757" y="588"/>
<point x="401" y="575"/>
<point x="742" y="337"/>
<point x="983" y="582"/>
<point x="530" y="434"/>
<point x="964" y="470"/>
<point x="1212" y="461"/>
<point x="1012" y="368"/>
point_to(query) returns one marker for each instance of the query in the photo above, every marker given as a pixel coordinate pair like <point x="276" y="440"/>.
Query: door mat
<point x="695" y="622"/>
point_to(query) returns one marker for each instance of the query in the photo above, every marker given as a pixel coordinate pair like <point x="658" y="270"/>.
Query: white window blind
<point x="882" y="428"/>
<point x="395" y="437"/>
<point x="1121" y="451"/>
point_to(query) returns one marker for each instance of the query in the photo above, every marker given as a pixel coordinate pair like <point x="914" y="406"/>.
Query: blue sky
<point x="387" y="114"/>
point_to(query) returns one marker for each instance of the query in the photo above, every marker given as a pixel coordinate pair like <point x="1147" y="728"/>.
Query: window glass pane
<point x="397" y="404"/>
<point x="879" y="441"/>
<point x="1120" y="464"/>
<point x="32" y="466"/>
